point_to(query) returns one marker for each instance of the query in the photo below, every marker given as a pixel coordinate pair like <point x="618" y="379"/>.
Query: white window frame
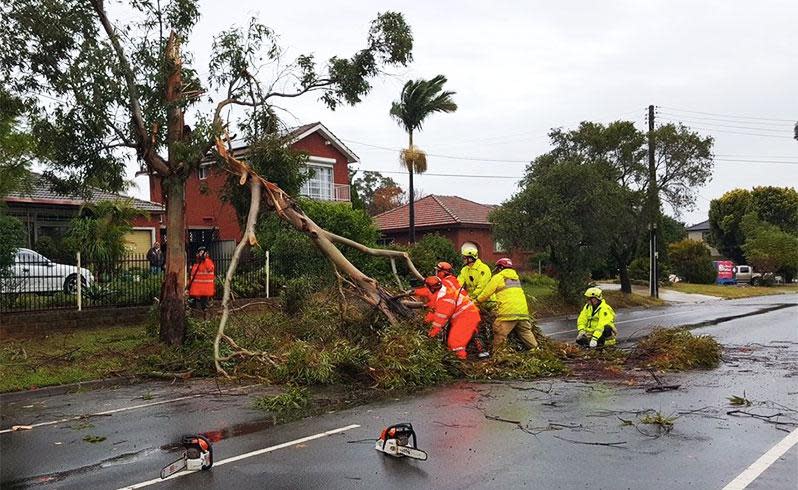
<point x="325" y="163"/>
<point x="203" y="171"/>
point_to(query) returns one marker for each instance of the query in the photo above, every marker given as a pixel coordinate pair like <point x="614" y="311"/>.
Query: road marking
<point x="760" y="465"/>
<point x="257" y="452"/>
<point x="117" y="410"/>
<point x="630" y="320"/>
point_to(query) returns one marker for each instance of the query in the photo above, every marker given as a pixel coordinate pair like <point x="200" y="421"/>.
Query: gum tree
<point x="108" y="90"/>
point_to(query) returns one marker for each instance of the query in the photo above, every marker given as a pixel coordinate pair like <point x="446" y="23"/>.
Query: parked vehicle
<point x="35" y="273"/>
<point x="745" y="274"/>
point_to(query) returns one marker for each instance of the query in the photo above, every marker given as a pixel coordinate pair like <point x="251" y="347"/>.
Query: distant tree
<point x="419" y="99"/>
<point x="434" y="248"/>
<point x="562" y="209"/>
<point x="16" y="145"/>
<point x="116" y="87"/>
<point x="691" y="261"/>
<point x="376" y="193"/>
<point x="777" y="206"/>
<point x="769" y="248"/>
<point x="683" y="163"/>
<point x="12" y="237"/>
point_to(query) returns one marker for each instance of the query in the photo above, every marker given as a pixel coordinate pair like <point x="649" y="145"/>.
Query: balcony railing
<point x="328" y="192"/>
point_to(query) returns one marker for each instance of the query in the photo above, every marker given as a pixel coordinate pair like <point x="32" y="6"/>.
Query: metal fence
<point x="34" y="282"/>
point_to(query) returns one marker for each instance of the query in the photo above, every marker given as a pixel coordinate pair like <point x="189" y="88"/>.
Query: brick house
<point x="46" y="213"/>
<point x="700" y="233"/>
<point x="211" y="219"/>
<point x="463" y="222"/>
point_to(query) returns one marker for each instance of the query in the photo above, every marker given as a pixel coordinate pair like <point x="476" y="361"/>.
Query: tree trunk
<point x="173" y="307"/>
<point x="411" y="202"/>
<point x="626" y="283"/>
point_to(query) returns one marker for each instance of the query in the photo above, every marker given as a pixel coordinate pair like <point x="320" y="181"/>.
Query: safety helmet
<point x="444" y="267"/>
<point x="504" y="263"/>
<point x="470" y="252"/>
<point x="593" y="293"/>
<point x="433" y="283"/>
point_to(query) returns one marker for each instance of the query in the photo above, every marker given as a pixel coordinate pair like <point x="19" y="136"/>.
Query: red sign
<point x="725" y="270"/>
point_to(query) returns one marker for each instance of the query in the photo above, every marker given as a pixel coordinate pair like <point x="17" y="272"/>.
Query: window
<point x="320" y="183"/>
<point x="202" y="172"/>
<point x="498" y="246"/>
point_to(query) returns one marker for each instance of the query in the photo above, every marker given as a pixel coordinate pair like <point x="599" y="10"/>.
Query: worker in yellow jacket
<point x="596" y="322"/>
<point x="475" y="275"/>
<point x="512" y="310"/>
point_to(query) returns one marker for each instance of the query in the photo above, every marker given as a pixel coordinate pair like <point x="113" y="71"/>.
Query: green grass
<point x="731" y="292"/>
<point x="69" y="357"/>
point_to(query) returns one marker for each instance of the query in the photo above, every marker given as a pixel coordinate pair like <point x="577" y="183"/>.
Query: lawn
<point x="83" y="355"/>
<point x="545" y="302"/>
<point x="731" y="291"/>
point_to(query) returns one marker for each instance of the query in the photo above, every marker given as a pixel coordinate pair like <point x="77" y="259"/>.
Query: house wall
<point x="701" y="236"/>
<point x="205" y="207"/>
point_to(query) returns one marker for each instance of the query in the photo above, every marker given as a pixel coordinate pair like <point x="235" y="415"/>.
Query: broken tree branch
<point x="588" y="443"/>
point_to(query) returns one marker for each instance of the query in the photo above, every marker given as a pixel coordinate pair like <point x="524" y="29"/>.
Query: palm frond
<point x="413" y="159"/>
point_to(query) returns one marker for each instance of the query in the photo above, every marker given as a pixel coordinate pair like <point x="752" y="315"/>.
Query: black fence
<point x="33" y="282"/>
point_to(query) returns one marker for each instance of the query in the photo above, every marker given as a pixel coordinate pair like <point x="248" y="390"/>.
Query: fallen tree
<point x="392" y="306"/>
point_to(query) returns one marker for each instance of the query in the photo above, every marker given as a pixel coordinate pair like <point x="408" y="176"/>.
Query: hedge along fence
<point x="34" y="285"/>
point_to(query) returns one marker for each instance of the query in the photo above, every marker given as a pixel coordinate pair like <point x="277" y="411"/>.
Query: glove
<point x="580" y="336"/>
<point x="593" y="343"/>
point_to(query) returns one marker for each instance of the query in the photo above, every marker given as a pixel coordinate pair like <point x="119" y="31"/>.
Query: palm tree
<point x="419" y="99"/>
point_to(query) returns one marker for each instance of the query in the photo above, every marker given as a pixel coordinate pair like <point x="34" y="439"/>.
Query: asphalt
<point x="549" y="435"/>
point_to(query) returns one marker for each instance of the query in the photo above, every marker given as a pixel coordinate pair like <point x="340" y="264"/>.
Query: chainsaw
<point x="197" y="455"/>
<point x="395" y="440"/>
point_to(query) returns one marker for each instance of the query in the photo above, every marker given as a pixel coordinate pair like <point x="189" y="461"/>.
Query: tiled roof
<point x="294" y="134"/>
<point x="702" y="226"/>
<point x="42" y="193"/>
<point x="436" y="211"/>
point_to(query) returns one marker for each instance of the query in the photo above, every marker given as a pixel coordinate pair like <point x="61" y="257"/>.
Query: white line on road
<point x="246" y="455"/>
<point x="760" y="465"/>
<point x="116" y="410"/>
<point x="630" y="320"/>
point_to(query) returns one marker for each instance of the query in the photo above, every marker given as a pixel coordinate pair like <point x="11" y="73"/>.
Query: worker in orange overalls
<point x="452" y="306"/>
<point x="201" y="286"/>
<point x="445" y="271"/>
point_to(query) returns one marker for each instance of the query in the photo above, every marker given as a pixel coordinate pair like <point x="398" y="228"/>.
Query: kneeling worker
<point x="512" y="310"/>
<point x="596" y="322"/>
<point x="453" y="306"/>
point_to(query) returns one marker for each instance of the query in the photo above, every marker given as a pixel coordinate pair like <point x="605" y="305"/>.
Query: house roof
<point x="298" y="133"/>
<point x="702" y="226"/>
<point x="436" y="211"/>
<point x="42" y="193"/>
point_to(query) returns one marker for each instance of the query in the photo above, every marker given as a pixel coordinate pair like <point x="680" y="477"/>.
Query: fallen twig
<point x="499" y="419"/>
<point x="661" y="388"/>
<point x="588" y="443"/>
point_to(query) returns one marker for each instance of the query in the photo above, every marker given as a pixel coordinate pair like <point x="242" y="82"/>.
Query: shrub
<point x="12" y="236"/>
<point x="434" y="248"/>
<point x="295" y="294"/>
<point x="691" y="260"/>
<point x="539" y="280"/>
<point x="293" y="400"/>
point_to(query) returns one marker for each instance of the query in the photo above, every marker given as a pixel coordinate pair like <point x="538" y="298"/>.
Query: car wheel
<point x="71" y="284"/>
<point x="755" y="281"/>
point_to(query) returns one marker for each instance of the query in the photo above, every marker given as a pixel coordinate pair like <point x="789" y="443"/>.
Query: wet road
<point x="544" y="439"/>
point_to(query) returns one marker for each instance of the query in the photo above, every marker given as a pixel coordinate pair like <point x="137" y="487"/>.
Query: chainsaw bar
<point x="173" y="468"/>
<point x="411" y="452"/>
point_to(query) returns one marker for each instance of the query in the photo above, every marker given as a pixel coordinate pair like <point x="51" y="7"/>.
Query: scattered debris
<point x="739" y="401"/>
<point x="499" y="419"/>
<point x="661" y="388"/>
<point x="94" y="439"/>
<point x="663" y="422"/>
<point x="15" y="428"/>
<point x="589" y="443"/>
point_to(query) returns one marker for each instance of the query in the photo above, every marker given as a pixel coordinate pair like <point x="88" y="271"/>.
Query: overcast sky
<point x="520" y="68"/>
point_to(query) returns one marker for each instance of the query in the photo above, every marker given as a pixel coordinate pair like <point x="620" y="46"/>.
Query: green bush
<point x="539" y="280"/>
<point x="296" y="294"/>
<point x="434" y="248"/>
<point x="691" y="260"/>
<point x="293" y="400"/>
<point x="12" y="237"/>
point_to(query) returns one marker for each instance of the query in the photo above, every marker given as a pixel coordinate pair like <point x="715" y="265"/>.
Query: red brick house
<point x="210" y="218"/>
<point x="463" y="222"/>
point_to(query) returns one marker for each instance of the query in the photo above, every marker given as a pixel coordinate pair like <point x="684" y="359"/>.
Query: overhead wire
<point x="731" y="116"/>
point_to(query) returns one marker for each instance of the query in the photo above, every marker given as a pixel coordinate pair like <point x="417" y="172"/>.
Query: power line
<point x="764" y="124"/>
<point x="755" y="161"/>
<point x="738" y="132"/>
<point x="782" y="130"/>
<point x="733" y="116"/>
<point x="451" y="157"/>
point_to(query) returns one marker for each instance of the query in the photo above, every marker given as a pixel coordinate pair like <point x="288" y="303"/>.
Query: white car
<point x="32" y="272"/>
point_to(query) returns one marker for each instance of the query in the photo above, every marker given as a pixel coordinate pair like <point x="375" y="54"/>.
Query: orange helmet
<point x="433" y="283"/>
<point x="444" y="267"/>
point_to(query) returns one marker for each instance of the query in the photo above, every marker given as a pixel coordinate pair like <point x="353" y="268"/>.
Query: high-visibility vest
<point x="451" y="305"/>
<point x="202" y="279"/>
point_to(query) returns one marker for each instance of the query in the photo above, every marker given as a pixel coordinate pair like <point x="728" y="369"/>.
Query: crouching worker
<point x="596" y="322"/>
<point x="512" y="310"/>
<point x="452" y="306"/>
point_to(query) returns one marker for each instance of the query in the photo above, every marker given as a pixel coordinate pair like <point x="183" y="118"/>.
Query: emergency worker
<point x="201" y="286"/>
<point x="454" y="307"/>
<point x="445" y="272"/>
<point x="596" y="322"/>
<point x="512" y="313"/>
<point x="475" y="274"/>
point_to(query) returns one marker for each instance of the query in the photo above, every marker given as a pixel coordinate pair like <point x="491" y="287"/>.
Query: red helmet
<point x="444" y="267"/>
<point x="504" y="263"/>
<point x="433" y="283"/>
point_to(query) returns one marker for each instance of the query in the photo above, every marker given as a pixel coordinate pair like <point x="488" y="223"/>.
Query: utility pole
<point x="653" y="210"/>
